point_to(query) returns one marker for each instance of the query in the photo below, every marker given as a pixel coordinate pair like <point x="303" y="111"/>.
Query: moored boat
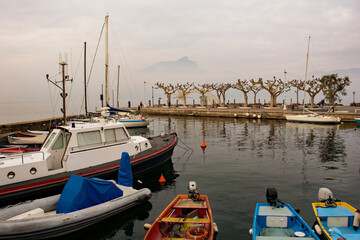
<point x="82" y="203"/>
<point x="357" y="120"/>
<point x="276" y="220"/>
<point x="335" y="219"/>
<point x="313" y="118"/>
<point x="186" y="217"/>
<point x="84" y="149"/>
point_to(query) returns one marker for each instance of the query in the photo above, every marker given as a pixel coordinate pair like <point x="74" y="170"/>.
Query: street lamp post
<point x="354" y="98"/>
<point x="152" y="95"/>
<point x="285" y="91"/>
<point x="144" y="93"/>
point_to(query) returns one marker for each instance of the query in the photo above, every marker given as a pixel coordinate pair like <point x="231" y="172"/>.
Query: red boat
<point x="18" y="150"/>
<point x="186" y="217"/>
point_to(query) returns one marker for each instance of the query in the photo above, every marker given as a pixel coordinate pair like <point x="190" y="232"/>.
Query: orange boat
<point x="186" y="217"/>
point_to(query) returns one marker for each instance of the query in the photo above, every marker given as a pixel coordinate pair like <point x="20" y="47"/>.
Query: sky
<point x="228" y="40"/>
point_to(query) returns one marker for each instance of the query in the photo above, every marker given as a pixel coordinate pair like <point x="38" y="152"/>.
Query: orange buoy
<point x="162" y="179"/>
<point x="203" y="145"/>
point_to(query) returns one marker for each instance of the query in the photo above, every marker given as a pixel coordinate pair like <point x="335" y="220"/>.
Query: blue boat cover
<point x="80" y="193"/>
<point x="117" y="110"/>
<point x="125" y="177"/>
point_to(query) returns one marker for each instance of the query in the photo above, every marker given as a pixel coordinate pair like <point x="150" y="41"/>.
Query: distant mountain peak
<point x="183" y="64"/>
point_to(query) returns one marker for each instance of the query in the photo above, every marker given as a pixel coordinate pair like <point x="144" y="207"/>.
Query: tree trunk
<point x="272" y="100"/>
<point x="312" y="100"/>
<point x="202" y="99"/>
<point x="223" y="97"/>
<point x="168" y="99"/>
<point x="254" y="98"/>
<point x="246" y="99"/>
<point x="297" y="96"/>
<point x="184" y="100"/>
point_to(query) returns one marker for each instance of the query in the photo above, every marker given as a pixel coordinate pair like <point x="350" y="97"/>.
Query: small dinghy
<point x="276" y="220"/>
<point x="335" y="219"/>
<point x="83" y="202"/>
<point x="186" y="217"/>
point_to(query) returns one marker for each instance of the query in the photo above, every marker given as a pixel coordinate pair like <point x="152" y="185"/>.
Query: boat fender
<point x="216" y="229"/>
<point x="356" y="220"/>
<point x="142" y="198"/>
<point x="251" y="231"/>
<point x="318" y="229"/>
<point x="142" y="117"/>
<point x="147" y="226"/>
<point x="197" y="233"/>
<point x="325" y="194"/>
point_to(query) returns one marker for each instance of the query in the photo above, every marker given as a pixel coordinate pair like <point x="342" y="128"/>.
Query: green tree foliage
<point x="334" y="86"/>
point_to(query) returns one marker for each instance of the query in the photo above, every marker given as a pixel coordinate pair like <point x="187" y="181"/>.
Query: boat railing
<point x="97" y="145"/>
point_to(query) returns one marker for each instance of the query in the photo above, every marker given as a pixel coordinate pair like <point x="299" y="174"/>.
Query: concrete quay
<point x="346" y="113"/>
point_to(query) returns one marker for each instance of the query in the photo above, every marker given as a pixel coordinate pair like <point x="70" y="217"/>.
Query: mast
<point x="106" y="61"/>
<point x="307" y="59"/>
<point x="118" y="87"/>
<point x="86" y="113"/>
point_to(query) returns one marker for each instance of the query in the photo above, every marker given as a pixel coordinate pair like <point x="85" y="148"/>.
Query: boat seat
<point x="337" y="221"/>
<point x="29" y="214"/>
<point x="185" y="220"/>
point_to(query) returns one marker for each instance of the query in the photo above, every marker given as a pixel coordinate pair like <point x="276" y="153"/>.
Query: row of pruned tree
<point x="331" y="86"/>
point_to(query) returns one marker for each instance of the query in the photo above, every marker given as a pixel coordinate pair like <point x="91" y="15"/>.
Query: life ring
<point x="197" y="233"/>
<point x="142" y="117"/>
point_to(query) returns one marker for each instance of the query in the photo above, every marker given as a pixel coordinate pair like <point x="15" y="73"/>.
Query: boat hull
<point x="61" y="224"/>
<point x="279" y="223"/>
<point x="135" y="123"/>
<point x="340" y="218"/>
<point x="357" y="120"/>
<point x="160" y="153"/>
<point x="313" y="119"/>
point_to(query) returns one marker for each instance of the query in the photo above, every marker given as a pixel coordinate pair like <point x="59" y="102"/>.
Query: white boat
<point x="128" y="118"/>
<point x="85" y="149"/>
<point x="311" y="117"/>
<point x="82" y="203"/>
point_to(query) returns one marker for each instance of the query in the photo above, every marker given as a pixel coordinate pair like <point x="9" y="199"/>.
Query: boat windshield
<point x="49" y="139"/>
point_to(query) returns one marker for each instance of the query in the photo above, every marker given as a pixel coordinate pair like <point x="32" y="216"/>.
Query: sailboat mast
<point x="117" y="97"/>
<point x="106" y="62"/>
<point x="86" y="112"/>
<point x="307" y="59"/>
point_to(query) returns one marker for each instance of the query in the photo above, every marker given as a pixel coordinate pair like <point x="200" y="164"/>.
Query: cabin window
<point x="67" y="137"/>
<point x="121" y="135"/>
<point x="110" y="135"/>
<point x="91" y="138"/>
<point x="59" y="143"/>
<point x="49" y="140"/>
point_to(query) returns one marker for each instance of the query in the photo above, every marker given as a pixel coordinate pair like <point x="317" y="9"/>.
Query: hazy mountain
<point x="183" y="64"/>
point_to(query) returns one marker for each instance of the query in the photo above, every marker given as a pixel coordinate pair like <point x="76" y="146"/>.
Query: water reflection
<point x="332" y="147"/>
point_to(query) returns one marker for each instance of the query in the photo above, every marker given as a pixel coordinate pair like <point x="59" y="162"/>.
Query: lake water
<point x="243" y="157"/>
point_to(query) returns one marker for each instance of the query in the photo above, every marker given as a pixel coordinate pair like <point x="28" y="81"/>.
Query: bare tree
<point x="313" y="88"/>
<point x="203" y="89"/>
<point x="275" y="87"/>
<point x="221" y="89"/>
<point x="298" y="84"/>
<point x="168" y="90"/>
<point x="184" y="89"/>
<point x="334" y="86"/>
<point x="255" y="88"/>
<point x="243" y="86"/>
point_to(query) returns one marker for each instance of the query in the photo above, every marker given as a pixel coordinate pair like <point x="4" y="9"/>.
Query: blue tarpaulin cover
<point x="125" y="177"/>
<point x="117" y="110"/>
<point x="80" y="193"/>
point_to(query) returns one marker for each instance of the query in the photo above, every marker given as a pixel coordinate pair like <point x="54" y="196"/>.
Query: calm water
<point x="244" y="157"/>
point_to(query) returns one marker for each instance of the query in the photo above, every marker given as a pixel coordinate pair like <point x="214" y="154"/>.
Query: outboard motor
<point x="193" y="193"/>
<point x="326" y="196"/>
<point x="272" y="197"/>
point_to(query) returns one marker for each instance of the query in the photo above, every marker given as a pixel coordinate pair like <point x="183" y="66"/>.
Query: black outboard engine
<point x="271" y="196"/>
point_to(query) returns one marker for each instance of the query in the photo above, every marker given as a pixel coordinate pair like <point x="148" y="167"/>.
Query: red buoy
<point x="203" y="145"/>
<point x="162" y="179"/>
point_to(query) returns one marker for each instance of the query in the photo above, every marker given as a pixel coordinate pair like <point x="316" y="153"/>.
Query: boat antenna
<point x="307" y="59"/>
<point x="118" y="86"/>
<point x="86" y="112"/>
<point x="63" y="94"/>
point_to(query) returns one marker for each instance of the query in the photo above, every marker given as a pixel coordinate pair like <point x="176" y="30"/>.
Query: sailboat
<point x="130" y="119"/>
<point x="311" y="117"/>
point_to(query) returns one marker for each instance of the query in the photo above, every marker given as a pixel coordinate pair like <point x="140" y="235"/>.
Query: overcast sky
<point x="228" y="39"/>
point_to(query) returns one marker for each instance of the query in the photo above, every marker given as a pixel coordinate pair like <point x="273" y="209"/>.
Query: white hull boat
<point x="82" y="203"/>
<point x="313" y="118"/>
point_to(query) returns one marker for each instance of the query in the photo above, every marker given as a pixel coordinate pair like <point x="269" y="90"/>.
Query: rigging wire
<point x="76" y="71"/>
<point x="116" y="39"/>
<point x="92" y="65"/>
